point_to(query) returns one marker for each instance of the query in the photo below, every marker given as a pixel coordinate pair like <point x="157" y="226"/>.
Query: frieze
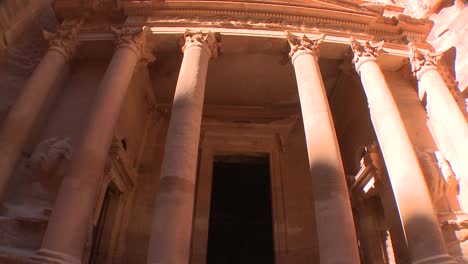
<point x="255" y="20"/>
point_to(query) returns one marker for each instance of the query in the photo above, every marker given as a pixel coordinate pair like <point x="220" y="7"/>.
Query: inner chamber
<point x="240" y="225"/>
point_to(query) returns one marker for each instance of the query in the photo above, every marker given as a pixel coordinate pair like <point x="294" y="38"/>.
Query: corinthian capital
<point x="63" y="40"/>
<point x="364" y="53"/>
<point x="207" y="41"/>
<point x="422" y="62"/>
<point x="303" y="45"/>
<point x="132" y="38"/>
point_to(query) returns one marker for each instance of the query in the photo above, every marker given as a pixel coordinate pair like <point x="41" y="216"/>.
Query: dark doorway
<point x="103" y="230"/>
<point x="240" y="229"/>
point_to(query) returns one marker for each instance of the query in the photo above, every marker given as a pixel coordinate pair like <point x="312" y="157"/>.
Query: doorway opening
<point x="240" y="225"/>
<point x="102" y="232"/>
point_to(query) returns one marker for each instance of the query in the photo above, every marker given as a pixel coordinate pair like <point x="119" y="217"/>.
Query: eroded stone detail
<point x="207" y="41"/>
<point x="134" y="39"/>
<point x="48" y="154"/>
<point x="303" y="45"/>
<point x="422" y="62"/>
<point x="44" y="166"/>
<point x="364" y="53"/>
<point x="448" y="174"/>
<point x="64" y="40"/>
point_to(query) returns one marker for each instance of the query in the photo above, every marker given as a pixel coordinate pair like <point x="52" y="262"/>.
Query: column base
<point x="439" y="259"/>
<point x="46" y="256"/>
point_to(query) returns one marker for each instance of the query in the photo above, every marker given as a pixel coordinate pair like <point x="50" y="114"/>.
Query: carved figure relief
<point x="46" y="158"/>
<point x="44" y="172"/>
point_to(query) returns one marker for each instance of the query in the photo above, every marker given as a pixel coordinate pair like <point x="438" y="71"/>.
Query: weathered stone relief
<point x="135" y="39"/>
<point x="363" y="53"/>
<point x="207" y="40"/>
<point x="369" y="50"/>
<point x="436" y="183"/>
<point x="422" y="62"/>
<point x="63" y="39"/>
<point x="304" y="44"/>
<point x="42" y="173"/>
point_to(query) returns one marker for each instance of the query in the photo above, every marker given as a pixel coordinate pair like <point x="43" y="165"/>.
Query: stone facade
<point x="113" y="115"/>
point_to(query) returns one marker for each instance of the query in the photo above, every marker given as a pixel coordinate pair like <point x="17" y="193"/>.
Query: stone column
<point x="425" y="242"/>
<point x="173" y="214"/>
<point x="335" y="225"/>
<point x="70" y="222"/>
<point x="22" y="117"/>
<point x="442" y="109"/>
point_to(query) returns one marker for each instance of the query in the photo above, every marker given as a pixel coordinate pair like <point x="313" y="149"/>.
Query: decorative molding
<point x="422" y="62"/>
<point x="124" y="177"/>
<point x="364" y="53"/>
<point x="207" y="41"/>
<point x="363" y="184"/>
<point x="303" y="45"/>
<point x="64" y="40"/>
<point x="392" y="30"/>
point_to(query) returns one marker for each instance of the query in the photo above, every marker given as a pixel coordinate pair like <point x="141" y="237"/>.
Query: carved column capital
<point x="422" y="62"/>
<point x="364" y="53"/>
<point x="64" y="40"/>
<point x="304" y="45"/>
<point x="134" y="39"/>
<point x="207" y="41"/>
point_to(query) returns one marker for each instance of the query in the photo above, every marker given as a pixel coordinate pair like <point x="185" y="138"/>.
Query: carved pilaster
<point x="422" y="62"/>
<point x="364" y="53"/>
<point x="64" y="40"/>
<point x="207" y="41"/>
<point x="303" y="45"/>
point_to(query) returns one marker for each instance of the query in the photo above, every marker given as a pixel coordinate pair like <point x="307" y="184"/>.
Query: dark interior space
<point x="240" y="229"/>
<point x="103" y="230"/>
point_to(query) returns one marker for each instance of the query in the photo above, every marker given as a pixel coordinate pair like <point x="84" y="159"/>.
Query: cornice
<point x="399" y="29"/>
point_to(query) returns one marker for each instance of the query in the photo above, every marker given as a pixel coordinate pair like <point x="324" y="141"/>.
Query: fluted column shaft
<point x="23" y="115"/>
<point x="334" y="218"/>
<point x="70" y="221"/>
<point x="425" y="242"/>
<point x="442" y="108"/>
<point x="173" y="214"/>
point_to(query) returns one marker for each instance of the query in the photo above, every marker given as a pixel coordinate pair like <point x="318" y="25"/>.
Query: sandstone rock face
<point x="451" y="30"/>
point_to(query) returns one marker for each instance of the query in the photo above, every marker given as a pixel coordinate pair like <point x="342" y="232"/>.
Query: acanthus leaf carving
<point x="208" y="41"/>
<point x="63" y="40"/>
<point x="133" y="38"/>
<point x="303" y="45"/>
<point x="364" y="53"/>
<point x="422" y="62"/>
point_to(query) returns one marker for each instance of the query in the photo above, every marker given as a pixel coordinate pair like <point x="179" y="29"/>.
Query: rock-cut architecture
<point x="233" y="132"/>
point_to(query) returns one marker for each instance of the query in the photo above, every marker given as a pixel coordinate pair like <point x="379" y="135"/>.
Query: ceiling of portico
<point x="251" y="71"/>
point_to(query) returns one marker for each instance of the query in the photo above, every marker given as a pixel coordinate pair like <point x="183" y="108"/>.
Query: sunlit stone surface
<point x="145" y="131"/>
